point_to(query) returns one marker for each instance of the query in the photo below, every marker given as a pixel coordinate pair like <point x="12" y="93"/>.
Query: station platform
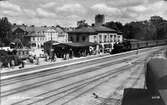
<point x="43" y="65"/>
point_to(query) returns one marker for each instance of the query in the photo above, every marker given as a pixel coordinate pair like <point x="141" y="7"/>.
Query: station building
<point x="97" y="33"/>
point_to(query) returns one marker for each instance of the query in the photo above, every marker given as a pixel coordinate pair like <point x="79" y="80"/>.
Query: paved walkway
<point x="41" y="62"/>
<point x="161" y="54"/>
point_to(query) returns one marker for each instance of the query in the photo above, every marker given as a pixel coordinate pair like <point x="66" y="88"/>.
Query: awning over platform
<point x="83" y="44"/>
<point x="51" y="42"/>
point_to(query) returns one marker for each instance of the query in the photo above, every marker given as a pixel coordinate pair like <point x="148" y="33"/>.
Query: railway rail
<point x="71" y="88"/>
<point x="57" y="78"/>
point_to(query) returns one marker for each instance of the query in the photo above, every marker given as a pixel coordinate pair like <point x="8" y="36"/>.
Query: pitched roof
<point x="92" y="29"/>
<point x="35" y="35"/>
<point x="52" y="41"/>
<point x="14" y="28"/>
<point x="119" y="32"/>
<point x="103" y="29"/>
<point x="84" y="29"/>
<point x="77" y="44"/>
<point x="35" y="29"/>
<point x="59" y="29"/>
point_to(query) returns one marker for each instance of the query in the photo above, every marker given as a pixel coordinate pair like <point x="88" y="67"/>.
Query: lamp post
<point x="51" y="35"/>
<point x="51" y="31"/>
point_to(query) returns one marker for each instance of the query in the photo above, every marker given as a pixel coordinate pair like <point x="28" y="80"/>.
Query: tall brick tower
<point x="99" y="19"/>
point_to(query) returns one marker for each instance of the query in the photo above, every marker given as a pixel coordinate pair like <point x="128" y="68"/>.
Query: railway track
<point x="52" y="71"/>
<point x="58" y="70"/>
<point x="87" y="88"/>
<point x="71" y="62"/>
<point x="59" y="78"/>
<point x="49" y="65"/>
<point x="79" y="84"/>
<point x="73" y="87"/>
<point x="69" y="88"/>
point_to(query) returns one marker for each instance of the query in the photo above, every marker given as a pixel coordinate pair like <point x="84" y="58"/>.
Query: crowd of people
<point x="10" y="59"/>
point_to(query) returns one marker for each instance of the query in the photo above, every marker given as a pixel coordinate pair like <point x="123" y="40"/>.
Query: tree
<point x="129" y="31"/>
<point x="114" y="25"/>
<point x="5" y="30"/>
<point x="81" y="23"/>
<point x="161" y="30"/>
<point x="141" y="30"/>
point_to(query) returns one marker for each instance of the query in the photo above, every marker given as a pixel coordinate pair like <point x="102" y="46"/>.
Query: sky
<point x="66" y="13"/>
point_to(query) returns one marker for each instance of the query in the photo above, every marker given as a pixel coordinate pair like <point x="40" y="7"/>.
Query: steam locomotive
<point x="133" y="45"/>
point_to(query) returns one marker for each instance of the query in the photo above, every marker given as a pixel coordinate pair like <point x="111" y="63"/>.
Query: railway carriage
<point x="134" y="44"/>
<point x="142" y="44"/>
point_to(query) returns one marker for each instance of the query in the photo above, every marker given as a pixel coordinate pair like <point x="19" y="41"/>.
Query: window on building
<point x="100" y="38"/>
<point x="77" y="39"/>
<point x="71" y="38"/>
<point x="83" y="38"/>
<point x="105" y="38"/>
<point x="95" y="39"/>
<point x="23" y="52"/>
<point x="115" y="38"/>
<point x="27" y="52"/>
<point x="110" y="38"/>
<point x="33" y="38"/>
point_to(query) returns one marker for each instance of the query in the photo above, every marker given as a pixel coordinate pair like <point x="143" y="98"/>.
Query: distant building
<point x="97" y="33"/>
<point x="156" y="19"/>
<point x="56" y="33"/>
<point x="99" y="20"/>
<point x="62" y="34"/>
<point x="119" y="37"/>
<point x="81" y="34"/>
<point x="50" y="34"/>
<point x="105" y="36"/>
<point x="35" y="37"/>
<point x="19" y="32"/>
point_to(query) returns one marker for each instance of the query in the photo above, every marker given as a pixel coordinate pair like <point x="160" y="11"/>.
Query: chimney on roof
<point x="32" y="26"/>
<point x="24" y="25"/>
<point x="99" y="19"/>
<point x="44" y="26"/>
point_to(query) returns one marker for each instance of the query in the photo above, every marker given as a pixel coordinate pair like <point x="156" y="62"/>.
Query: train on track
<point x="128" y="45"/>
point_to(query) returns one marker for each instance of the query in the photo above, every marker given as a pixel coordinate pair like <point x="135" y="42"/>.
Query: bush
<point x="6" y="58"/>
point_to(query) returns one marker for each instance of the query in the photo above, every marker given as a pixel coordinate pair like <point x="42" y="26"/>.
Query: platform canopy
<point x="81" y="44"/>
<point x="51" y="42"/>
